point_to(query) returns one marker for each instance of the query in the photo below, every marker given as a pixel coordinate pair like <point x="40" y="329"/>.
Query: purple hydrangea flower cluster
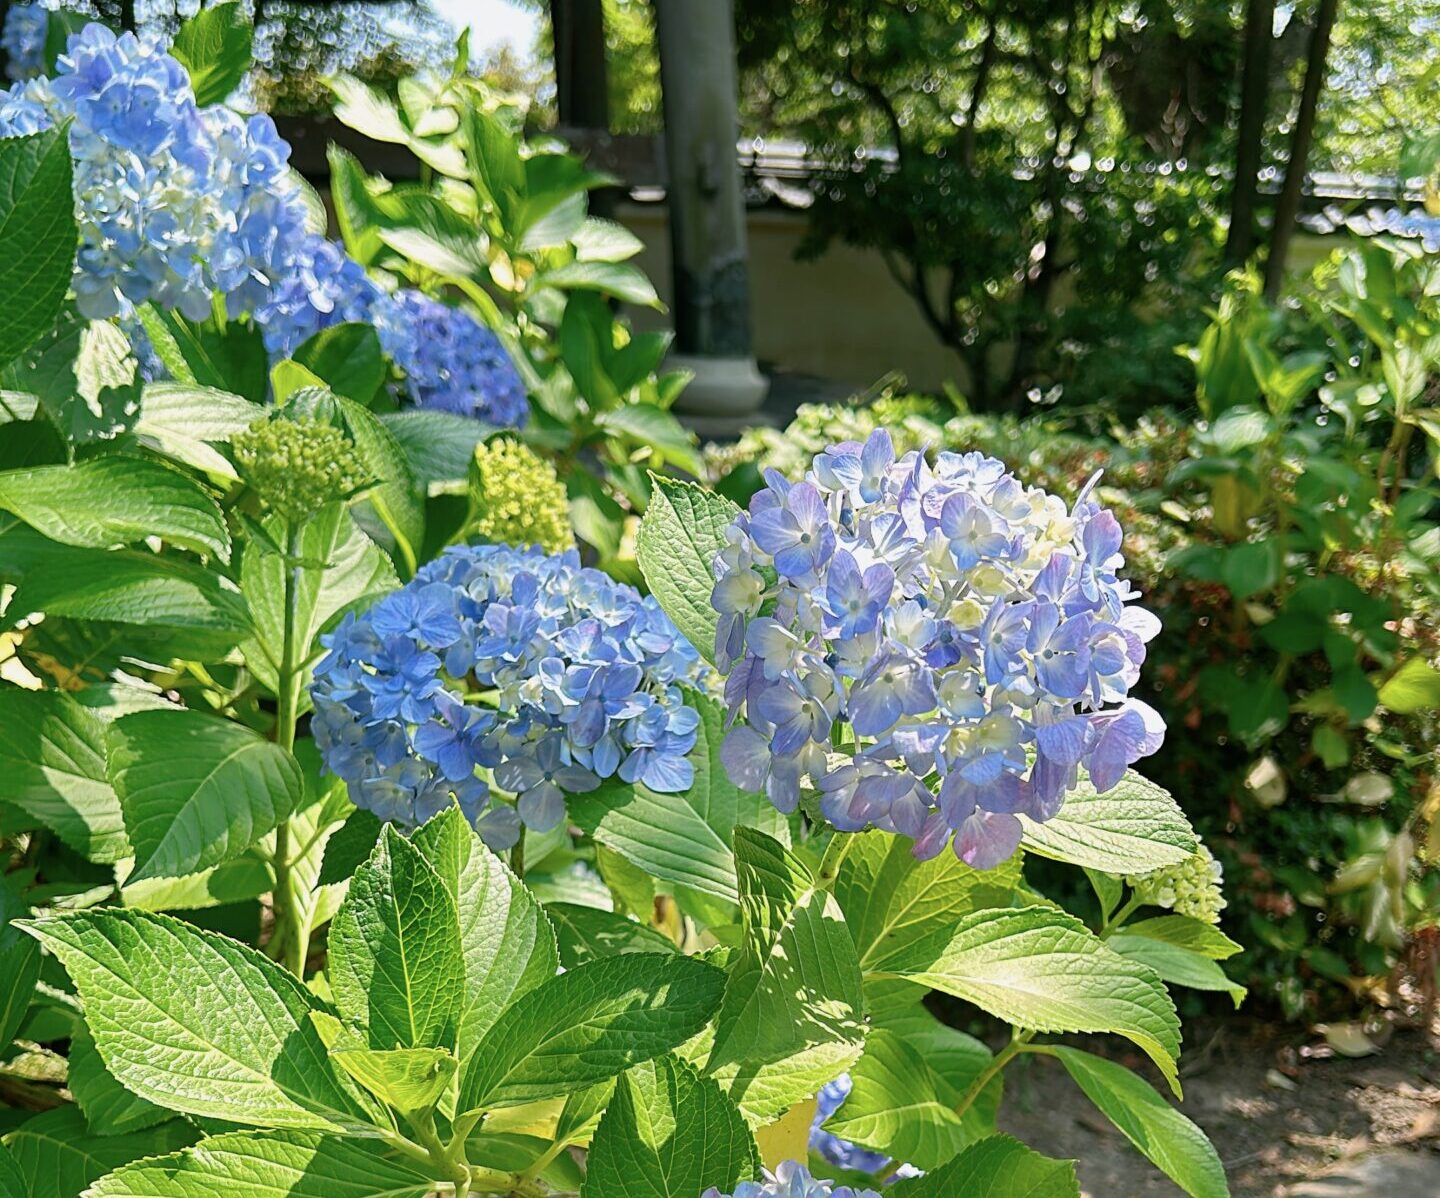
<point x="451" y="361"/>
<point x="965" y="642"/>
<point x="791" y="1179"/>
<point x="549" y="676"/>
<point x="23" y="40"/>
<point x="843" y="1153"/>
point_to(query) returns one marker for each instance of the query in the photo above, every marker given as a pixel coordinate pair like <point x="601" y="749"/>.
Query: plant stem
<point x="1116" y="921"/>
<point x="1007" y="1054"/>
<point x="835" y="852"/>
<point x="290" y="941"/>
<point x="517" y="855"/>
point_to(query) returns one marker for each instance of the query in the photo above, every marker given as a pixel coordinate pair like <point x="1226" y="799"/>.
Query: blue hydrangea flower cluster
<point x="843" y="1153"/>
<point x="323" y="287"/>
<point x="451" y="361"/>
<point x="965" y="640"/>
<point x="23" y="40"/>
<point x="791" y="1179"/>
<point x="549" y="676"/>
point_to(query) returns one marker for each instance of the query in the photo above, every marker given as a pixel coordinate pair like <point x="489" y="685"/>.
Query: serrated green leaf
<point x="1042" y="969"/>
<point x="438" y="445"/>
<point x="590" y="1024"/>
<point x="1176" y="965"/>
<point x="590" y="934"/>
<point x="996" y="1167"/>
<point x="38" y="235"/>
<point x="1415" y="686"/>
<point x="235" y="1027"/>
<point x="683" y="838"/>
<point x="59" y="1157"/>
<point x="84" y="376"/>
<point x="52" y="756"/>
<point x="1135" y="827"/>
<point x="230" y="359"/>
<point x="900" y="1106"/>
<point x="347" y="358"/>
<point x="682" y="531"/>
<point x="184" y="421"/>
<point x="792" y="1017"/>
<point x="654" y="426"/>
<point x="890" y="899"/>
<point x="214" y="46"/>
<point x="1175" y="1145"/>
<point x="110" y="1109"/>
<point x="12" y="1184"/>
<point x="618" y="280"/>
<point x="408" y="1079"/>
<point x="667" y="1133"/>
<point x="19" y="963"/>
<point x="275" y="1164"/>
<point x="395" y="962"/>
<point x="1187" y="932"/>
<point x="196" y="790"/>
<point x="507" y="942"/>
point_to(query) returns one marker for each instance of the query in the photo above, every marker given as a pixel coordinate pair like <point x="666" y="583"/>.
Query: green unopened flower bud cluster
<point x="517" y="499"/>
<point x="1190" y="888"/>
<point x="298" y="466"/>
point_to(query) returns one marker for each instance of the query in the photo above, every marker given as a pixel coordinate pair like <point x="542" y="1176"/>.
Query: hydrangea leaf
<point x="590" y="1024"/>
<point x="1172" y="1142"/>
<point x="52" y="755"/>
<point x="395" y="962"/>
<point x="214" y="46"/>
<point x="19" y="963"/>
<point x="84" y="376"/>
<point x="1177" y="965"/>
<point x="900" y="1106"/>
<point x="230" y="359"/>
<point x="890" y="899"/>
<point x="1042" y="969"/>
<point x="275" y="1164"/>
<point x="408" y="1079"/>
<point x="110" y="1109"/>
<point x="38" y="235"/>
<point x="184" y="421"/>
<point x="245" y="1051"/>
<point x="508" y="945"/>
<point x="1185" y="931"/>
<point x="12" y="1182"/>
<point x="1135" y="827"/>
<point x="438" y="445"/>
<point x="682" y="838"/>
<point x="59" y="1157"/>
<point x="996" y="1167"/>
<point x="348" y="846"/>
<point x="112" y="501"/>
<point x="682" y="531"/>
<point x="668" y="1133"/>
<point x="196" y="790"/>
<point x="792" y="1018"/>
<point x="347" y="358"/>
<point x="590" y="934"/>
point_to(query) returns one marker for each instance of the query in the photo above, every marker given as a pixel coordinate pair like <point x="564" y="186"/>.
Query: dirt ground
<point x="1289" y="1120"/>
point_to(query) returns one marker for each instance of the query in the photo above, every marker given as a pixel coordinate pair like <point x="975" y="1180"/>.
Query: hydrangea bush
<point x="361" y="836"/>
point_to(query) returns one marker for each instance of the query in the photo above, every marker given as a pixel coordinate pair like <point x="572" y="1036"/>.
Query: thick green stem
<point x="840" y="844"/>
<point x="1116" y="921"/>
<point x="517" y="855"/>
<point x="290" y="941"/>
<point x="1002" y="1058"/>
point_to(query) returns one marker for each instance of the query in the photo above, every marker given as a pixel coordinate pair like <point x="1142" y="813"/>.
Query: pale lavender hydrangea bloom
<point x="23" y="40"/>
<point x="791" y="1179"/>
<point x="968" y="641"/>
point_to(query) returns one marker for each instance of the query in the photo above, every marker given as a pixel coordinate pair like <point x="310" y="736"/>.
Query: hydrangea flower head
<point x="1191" y="888"/>
<point x="967" y="639"/>
<point x="319" y="287"/>
<point x="297" y="466"/>
<point x="581" y="680"/>
<point x="451" y="361"/>
<point x="517" y="498"/>
<point x="791" y="1179"/>
<point x="23" y="39"/>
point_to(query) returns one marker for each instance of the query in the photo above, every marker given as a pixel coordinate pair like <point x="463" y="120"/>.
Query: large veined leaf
<point x="58" y="1156"/>
<point x="37" y="235"/>
<point x="668" y="1133"/>
<point x="184" y="421"/>
<point x="52" y="756"/>
<point x="110" y="1109"/>
<point x="1135" y="827"/>
<point x="890" y="899"/>
<point x="196" y="790"/>
<point x="1175" y="1145"/>
<point x="235" y="1027"/>
<point x="1185" y="931"/>
<point x="12" y="1182"/>
<point x="792" y="1017"/>
<point x="342" y="569"/>
<point x="996" y="1167"/>
<point x="590" y="934"/>
<point x="408" y="1079"/>
<point x="83" y="374"/>
<point x="507" y="944"/>
<point x="1042" y="969"/>
<point x="19" y="963"/>
<point x="590" y="1024"/>
<point x="348" y="358"/>
<point x="214" y="47"/>
<point x="683" y="838"/>
<point x="1176" y="964"/>
<point x="395" y="963"/>
<point x="900" y="1106"/>
<point x="438" y="445"/>
<point x="273" y="1164"/>
<point x="682" y="531"/>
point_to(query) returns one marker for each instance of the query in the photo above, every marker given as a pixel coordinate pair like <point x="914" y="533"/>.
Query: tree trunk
<point x="1254" y="95"/>
<point x="1300" y="138"/>
<point x="581" y="91"/>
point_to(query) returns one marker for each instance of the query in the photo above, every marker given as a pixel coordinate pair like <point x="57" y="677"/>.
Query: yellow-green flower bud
<point x="1190" y="888"/>
<point x="298" y="466"/>
<point x="517" y="499"/>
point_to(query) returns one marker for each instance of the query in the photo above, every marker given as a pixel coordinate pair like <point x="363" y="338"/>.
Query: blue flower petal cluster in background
<point x="23" y="40"/>
<point x="970" y="637"/>
<point x="179" y="204"/>
<point x="550" y="676"/>
<point x="843" y="1153"/>
<point x="791" y="1180"/>
<point x="451" y="361"/>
